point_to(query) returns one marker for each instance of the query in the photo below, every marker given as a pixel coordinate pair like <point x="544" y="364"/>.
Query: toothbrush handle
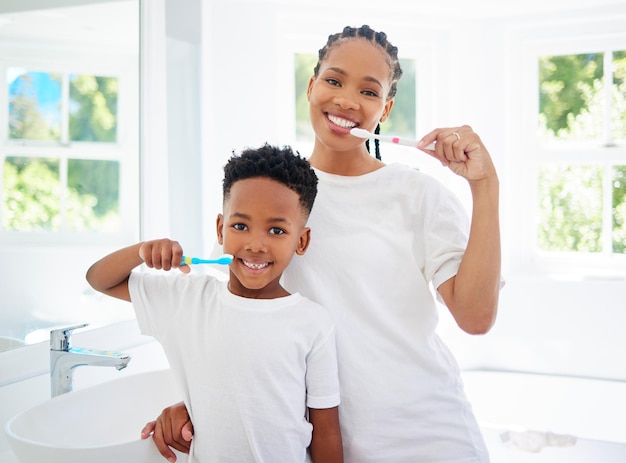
<point x="403" y="141"/>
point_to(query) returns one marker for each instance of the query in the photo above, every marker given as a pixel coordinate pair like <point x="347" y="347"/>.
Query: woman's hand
<point x="462" y="150"/>
<point x="172" y="428"/>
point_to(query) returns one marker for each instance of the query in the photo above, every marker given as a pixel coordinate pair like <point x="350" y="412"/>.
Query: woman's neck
<point x="347" y="163"/>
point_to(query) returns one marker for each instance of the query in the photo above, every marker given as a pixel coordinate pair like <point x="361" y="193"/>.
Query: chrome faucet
<point x="64" y="358"/>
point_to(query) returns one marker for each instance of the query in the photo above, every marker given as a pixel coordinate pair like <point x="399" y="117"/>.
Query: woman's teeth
<point x="345" y="123"/>
<point x="255" y="266"/>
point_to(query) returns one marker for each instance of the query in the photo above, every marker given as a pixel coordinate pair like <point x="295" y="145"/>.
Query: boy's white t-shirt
<point x="248" y="368"/>
<point x="378" y="241"/>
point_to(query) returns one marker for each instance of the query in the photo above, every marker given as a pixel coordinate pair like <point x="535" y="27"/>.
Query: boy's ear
<point x="303" y="243"/>
<point x="220" y="228"/>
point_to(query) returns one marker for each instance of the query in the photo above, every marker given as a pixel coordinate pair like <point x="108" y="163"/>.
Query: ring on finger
<point x="458" y="137"/>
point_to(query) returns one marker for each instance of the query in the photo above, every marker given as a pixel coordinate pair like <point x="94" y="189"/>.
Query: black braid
<point x="376" y="143"/>
<point x="279" y="164"/>
<point x="380" y="39"/>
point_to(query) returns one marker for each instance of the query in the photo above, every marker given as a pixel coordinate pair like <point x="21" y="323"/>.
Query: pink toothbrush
<point x="362" y="133"/>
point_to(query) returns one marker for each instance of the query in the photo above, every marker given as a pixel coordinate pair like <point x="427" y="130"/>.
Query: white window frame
<point x="528" y="152"/>
<point x="125" y="149"/>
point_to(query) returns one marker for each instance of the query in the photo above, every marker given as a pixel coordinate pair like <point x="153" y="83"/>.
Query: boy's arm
<point x="326" y="445"/>
<point x="110" y="274"/>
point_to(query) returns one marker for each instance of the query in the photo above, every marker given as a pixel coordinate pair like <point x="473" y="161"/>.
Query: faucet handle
<point x="60" y="338"/>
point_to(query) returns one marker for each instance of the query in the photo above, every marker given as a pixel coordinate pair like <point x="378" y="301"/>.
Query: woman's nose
<point x="346" y="100"/>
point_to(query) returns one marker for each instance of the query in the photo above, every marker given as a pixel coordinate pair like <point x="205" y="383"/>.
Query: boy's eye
<point x="239" y="226"/>
<point x="276" y="231"/>
<point x="369" y="93"/>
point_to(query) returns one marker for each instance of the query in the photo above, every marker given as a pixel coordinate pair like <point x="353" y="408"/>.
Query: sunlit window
<point x="62" y="160"/>
<point x="581" y="177"/>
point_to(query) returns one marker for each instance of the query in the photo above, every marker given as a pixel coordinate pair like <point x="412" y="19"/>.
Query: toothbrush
<point x="362" y="133"/>
<point x="223" y="260"/>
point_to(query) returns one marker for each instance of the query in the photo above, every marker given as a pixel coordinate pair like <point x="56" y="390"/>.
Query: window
<point x="579" y="153"/>
<point x="582" y="204"/>
<point x="63" y="155"/>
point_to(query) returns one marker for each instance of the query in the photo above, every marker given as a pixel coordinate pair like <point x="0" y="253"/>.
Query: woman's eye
<point x="239" y="226"/>
<point x="333" y="82"/>
<point x="276" y="231"/>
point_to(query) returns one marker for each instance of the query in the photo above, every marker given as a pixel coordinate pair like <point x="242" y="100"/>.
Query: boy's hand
<point x="163" y="254"/>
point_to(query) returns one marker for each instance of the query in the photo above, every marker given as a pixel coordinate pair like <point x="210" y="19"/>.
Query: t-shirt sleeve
<point x="322" y="378"/>
<point x="154" y="300"/>
<point x="446" y="232"/>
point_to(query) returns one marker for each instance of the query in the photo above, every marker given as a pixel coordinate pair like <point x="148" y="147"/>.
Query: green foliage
<point x="572" y="107"/>
<point x="93" y="108"/>
<point x="304" y="63"/>
<point x="31" y="195"/>
<point x="402" y="118"/>
<point x="32" y="198"/>
<point x="571" y="208"/>
<point x="563" y="80"/>
<point x="619" y="210"/>
<point x="26" y="122"/>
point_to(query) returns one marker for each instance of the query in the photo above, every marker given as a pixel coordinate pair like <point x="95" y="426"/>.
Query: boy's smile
<point x="262" y="226"/>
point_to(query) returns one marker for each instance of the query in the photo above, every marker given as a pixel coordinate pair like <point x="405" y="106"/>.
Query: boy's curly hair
<point x="279" y="164"/>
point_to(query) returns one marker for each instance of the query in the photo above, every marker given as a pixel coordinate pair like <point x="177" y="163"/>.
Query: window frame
<point x="529" y="153"/>
<point x="125" y="150"/>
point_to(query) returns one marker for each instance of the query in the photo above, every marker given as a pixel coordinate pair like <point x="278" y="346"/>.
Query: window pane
<point x="31" y="196"/>
<point x="618" y="116"/>
<point x="402" y="118"/>
<point x="34" y="105"/>
<point x="93" y="108"/>
<point x="619" y="209"/>
<point x="571" y="96"/>
<point x="304" y="63"/>
<point x="93" y="195"/>
<point x="570" y="208"/>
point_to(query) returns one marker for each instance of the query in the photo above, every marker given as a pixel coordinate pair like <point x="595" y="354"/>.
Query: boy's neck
<point x="267" y="292"/>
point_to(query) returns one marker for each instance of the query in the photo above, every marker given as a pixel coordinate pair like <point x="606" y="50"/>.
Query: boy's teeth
<point x="341" y="122"/>
<point x="255" y="266"/>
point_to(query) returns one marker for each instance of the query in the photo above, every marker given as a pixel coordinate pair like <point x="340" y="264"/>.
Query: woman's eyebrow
<point x="367" y="78"/>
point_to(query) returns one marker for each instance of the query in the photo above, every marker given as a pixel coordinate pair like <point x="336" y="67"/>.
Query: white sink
<point x="98" y="424"/>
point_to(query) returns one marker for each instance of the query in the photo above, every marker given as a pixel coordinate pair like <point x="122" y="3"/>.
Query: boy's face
<point x="262" y="226"/>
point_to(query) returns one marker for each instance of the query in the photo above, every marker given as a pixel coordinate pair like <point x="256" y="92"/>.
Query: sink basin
<point x="98" y="424"/>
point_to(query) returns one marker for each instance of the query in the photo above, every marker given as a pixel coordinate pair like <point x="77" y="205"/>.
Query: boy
<point x="251" y="358"/>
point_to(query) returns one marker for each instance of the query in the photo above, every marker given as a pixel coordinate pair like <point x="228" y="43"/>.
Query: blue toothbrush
<point x="226" y="259"/>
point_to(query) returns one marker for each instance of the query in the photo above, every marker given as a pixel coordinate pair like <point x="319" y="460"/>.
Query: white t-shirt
<point x="377" y="242"/>
<point x="248" y="368"/>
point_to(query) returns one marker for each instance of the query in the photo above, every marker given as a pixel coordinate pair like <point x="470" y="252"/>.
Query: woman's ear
<point x="219" y="223"/>
<point x="303" y="242"/>
<point x="387" y="110"/>
<point x="310" y="88"/>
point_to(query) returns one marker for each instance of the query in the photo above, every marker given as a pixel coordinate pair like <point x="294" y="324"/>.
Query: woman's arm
<point x="472" y="295"/>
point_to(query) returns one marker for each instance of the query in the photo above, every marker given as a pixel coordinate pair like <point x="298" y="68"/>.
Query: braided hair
<point x="274" y="163"/>
<point x="377" y="38"/>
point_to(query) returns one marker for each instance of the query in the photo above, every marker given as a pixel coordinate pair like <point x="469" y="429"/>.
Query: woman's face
<point x="350" y="91"/>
